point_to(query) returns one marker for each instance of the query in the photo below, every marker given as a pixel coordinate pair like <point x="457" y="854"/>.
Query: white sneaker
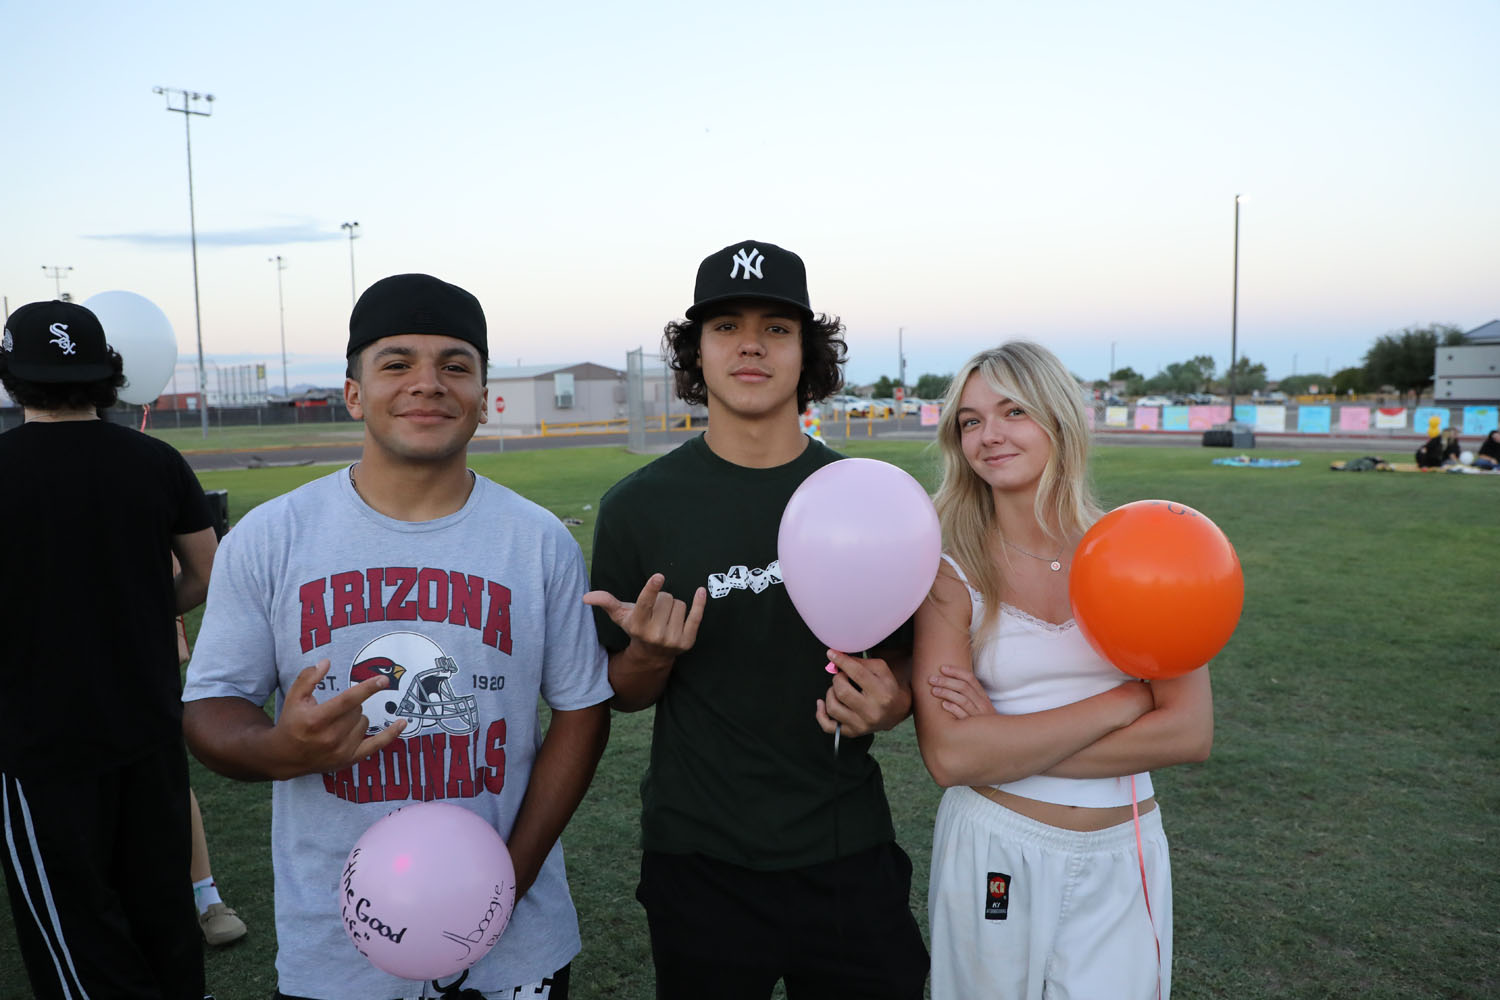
<point x="220" y="924"/>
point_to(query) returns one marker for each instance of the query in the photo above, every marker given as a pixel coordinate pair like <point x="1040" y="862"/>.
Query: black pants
<point x="554" y="987"/>
<point x="842" y="929"/>
<point x="97" y="866"/>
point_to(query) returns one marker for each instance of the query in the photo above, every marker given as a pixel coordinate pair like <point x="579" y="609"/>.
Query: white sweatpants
<point x="1019" y="909"/>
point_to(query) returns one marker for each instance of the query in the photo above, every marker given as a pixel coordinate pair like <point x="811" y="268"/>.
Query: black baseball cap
<point x="750" y="270"/>
<point x="55" y="342"/>
<point x="416" y="303"/>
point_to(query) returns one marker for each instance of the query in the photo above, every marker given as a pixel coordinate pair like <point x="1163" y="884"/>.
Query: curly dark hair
<point x="823" y="354"/>
<point x="99" y="394"/>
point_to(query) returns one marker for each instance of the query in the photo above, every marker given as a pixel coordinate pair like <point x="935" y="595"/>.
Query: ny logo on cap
<point x="751" y="262"/>
<point x="7" y="344"/>
<point x="60" y="337"/>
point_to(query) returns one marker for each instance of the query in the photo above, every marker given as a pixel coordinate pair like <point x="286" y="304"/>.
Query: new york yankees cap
<point x="750" y="270"/>
<point x="416" y="303"/>
<point x="55" y="342"/>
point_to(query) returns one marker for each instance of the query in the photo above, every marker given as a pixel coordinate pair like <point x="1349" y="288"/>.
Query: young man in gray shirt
<point x="407" y="614"/>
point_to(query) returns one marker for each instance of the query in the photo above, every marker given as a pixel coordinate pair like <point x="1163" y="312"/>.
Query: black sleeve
<point x="613" y="569"/>
<point x="193" y="513"/>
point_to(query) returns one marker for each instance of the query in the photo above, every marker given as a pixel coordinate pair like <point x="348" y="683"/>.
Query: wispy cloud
<point x="304" y="232"/>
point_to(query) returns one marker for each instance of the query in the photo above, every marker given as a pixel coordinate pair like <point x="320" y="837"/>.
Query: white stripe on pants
<point x="1076" y="927"/>
<point x="33" y="885"/>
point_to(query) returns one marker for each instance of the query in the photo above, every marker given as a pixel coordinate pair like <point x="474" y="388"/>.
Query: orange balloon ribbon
<point x="1156" y="588"/>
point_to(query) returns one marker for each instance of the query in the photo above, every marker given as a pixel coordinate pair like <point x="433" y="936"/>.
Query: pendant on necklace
<point x="1055" y="565"/>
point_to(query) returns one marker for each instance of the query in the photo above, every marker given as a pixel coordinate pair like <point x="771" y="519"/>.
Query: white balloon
<point x="1466" y="458"/>
<point x="136" y="328"/>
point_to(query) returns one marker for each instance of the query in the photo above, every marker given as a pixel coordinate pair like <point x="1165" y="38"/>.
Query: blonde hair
<point x="1033" y="377"/>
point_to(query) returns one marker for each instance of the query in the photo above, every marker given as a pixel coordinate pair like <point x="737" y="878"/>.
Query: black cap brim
<point x="699" y="310"/>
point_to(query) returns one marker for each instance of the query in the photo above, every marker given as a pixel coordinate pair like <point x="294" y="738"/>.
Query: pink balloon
<point x="427" y="890"/>
<point x="858" y="548"/>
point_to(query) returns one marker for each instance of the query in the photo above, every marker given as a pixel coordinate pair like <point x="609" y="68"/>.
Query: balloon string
<point x="838" y="727"/>
<point x="145" y="413"/>
<point x="1140" y="853"/>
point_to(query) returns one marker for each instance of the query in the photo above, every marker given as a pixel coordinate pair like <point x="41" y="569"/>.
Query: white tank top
<point x="1028" y="665"/>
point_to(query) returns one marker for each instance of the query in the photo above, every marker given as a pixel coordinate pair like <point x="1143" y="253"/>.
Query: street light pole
<point x="187" y="111"/>
<point x="1234" y="314"/>
<point x="56" y="274"/>
<point x="1109" y="376"/>
<point x="352" y="228"/>
<point x="281" y="308"/>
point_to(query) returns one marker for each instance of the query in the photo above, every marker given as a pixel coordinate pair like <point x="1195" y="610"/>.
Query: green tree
<point x="1205" y="365"/>
<point x="1135" y="382"/>
<point x="932" y="386"/>
<point x="1348" y="381"/>
<point x="1301" y="385"/>
<point x="1404" y="360"/>
<point x="1248" y="376"/>
<point x="884" y="388"/>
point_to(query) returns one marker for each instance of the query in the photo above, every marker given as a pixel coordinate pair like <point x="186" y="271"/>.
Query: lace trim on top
<point x="976" y="600"/>
<point x="1041" y="623"/>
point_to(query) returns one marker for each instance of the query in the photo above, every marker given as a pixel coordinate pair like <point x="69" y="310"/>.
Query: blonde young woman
<point x="1042" y="882"/>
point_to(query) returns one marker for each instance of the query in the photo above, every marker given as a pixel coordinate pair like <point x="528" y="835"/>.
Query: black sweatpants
<point x="97" y="867"/>
<point x="835" y="931"/>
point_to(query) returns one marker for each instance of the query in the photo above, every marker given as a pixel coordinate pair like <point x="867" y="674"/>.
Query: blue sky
<point x="965" y="172"/>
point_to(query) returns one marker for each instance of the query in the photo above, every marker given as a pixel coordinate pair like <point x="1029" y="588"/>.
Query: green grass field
<point x="1340" y="842"/>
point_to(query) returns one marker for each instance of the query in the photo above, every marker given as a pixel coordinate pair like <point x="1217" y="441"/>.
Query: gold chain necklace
<point x="1054" y="564"/>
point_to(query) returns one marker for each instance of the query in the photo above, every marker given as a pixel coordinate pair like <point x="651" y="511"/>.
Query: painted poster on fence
<point x="1090" y="416"/>
<point x="1202" y="418"/>
<point x="1174" y="418"/>
<point x="1268" y="419"/>
<point x="1390" y="418"/>
<point x="1147" y="418"/>
<point x="1354" y="418"/>
<point x="1245" y="413"/>
<point x="1117" y="416"/>
<point x="1314" y="419"/>
<point x="930" y="413"/>
<point x="1481" y="419"/>
<point x="1422" y="419"/>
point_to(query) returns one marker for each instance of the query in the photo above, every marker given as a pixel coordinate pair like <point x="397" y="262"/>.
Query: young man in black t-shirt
<point x="93" y="774"/>
<point x="767" y="856"/>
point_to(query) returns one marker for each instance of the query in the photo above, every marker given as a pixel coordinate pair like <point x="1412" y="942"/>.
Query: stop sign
<point x="900" y="393"/>
<point x="499" y="404"/>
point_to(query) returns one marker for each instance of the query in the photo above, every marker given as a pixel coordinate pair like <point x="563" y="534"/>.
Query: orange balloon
<point x="1156" y="588"/>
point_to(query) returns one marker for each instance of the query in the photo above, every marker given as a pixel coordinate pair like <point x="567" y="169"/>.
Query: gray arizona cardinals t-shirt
<point x="472" y="616"/>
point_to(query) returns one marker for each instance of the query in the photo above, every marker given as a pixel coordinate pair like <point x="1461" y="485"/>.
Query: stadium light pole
<point x="1234" y="309"/>
<point x="281" y="308"/>
<point x="187" y="110"/>
<point x="352" y="228"/>
<point x="56" y="274"/>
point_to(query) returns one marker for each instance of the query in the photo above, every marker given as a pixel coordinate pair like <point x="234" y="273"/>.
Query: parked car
<point x="1153" y="401"/>
<point x="853" y="406"/>
<point x="883" y="407"/>
<point x="911" y="407"/>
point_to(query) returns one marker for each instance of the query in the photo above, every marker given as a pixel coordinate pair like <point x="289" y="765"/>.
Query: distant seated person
<point x="1439" y="451"/>
<point x="1488" y="456"/>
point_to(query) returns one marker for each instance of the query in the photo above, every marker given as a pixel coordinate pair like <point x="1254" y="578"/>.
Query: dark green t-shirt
<point x="740" y="770"/>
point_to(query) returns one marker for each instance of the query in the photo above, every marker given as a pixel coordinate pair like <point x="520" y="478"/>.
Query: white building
<point x="523" y="398"/>
<point x="1470" y="372"/>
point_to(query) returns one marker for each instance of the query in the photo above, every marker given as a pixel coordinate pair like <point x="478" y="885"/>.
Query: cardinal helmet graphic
<point x="420" y="688"/>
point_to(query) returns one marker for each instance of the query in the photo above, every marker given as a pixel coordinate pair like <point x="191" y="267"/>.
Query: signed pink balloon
<point x="858" y="549"/>
<point x="427" y="891"/>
